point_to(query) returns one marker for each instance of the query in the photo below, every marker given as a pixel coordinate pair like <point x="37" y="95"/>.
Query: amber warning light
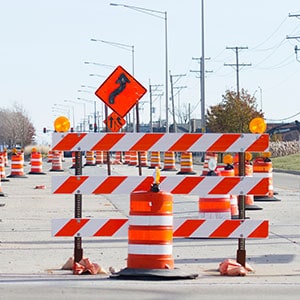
<point x="61" y="124"/>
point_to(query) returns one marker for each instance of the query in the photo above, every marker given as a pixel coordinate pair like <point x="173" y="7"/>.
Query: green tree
<point x="233" y="114"/>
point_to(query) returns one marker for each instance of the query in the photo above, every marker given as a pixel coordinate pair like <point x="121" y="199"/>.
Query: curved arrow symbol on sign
<point x="122" y="81"/>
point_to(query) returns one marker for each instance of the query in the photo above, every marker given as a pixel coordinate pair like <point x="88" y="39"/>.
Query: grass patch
<point x="289" y="162"/>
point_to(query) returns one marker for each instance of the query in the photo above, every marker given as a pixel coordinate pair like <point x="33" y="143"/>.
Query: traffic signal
<point x="44" y="130"/>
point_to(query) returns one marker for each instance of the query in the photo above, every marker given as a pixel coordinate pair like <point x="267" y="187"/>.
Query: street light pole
<point x="203" y="118"/>
<point x="160" y="15"/>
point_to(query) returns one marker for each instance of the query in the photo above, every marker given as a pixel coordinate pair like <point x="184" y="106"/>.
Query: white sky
<point x="44" y="45"/>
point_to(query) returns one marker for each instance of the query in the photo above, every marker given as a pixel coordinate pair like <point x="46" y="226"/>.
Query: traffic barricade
<point x="192" y="185"/>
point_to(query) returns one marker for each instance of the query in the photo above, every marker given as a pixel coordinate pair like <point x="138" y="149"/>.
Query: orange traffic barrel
<point x="127" y="157"/>
<point x="262" y="167"/>
<point x="143" y="159"/>
<point x="50" y="156"/>
<point x="186" y="164"/>
<point x="56" y="162"/>
<point x="150" y="233"/>
<point x="228" y="170"/>
<point x="17" y="166"/>
<point x="99" y="157"/>
<point x="215" y="207"/>
<point x="118" y="158"/>
<point x="90" y="158"/>
<point x="169" y="161"/>
<point x="154" y="160"/>
<point x="133" y="158"/>
<point x="2" y="168"/>
<point x="36" y="162"/>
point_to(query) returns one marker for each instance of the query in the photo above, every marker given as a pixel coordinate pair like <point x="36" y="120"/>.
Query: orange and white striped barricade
<point x="2" y="167"/>
<point x="208" y="156"/>
<point x="17" y="166"/>
<point x="262" y="167"/>
<point x="249" y="198"/>
<point x="99" y="157"/>
<point x="133" y="158"/>
<point x="154" y="160"/>
<point x="169" y="161"/>
<point x="186" y="164"/>
<point x="56" y="162"/>
<point x="36" y="162"/>
<point x="90" y="158"/>
<point x="192" y="185"/>
<point x="182" y="228"/>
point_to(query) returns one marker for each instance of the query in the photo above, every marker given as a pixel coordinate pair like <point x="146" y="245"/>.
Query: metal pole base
<point x="241" y="257"/>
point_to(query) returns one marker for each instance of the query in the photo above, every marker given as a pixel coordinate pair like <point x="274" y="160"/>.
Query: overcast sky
<point x="44" y="45"/>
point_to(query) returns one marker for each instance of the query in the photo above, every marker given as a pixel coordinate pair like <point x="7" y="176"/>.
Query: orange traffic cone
<point x="186" y="164"/>
<point x="169" y="161"/>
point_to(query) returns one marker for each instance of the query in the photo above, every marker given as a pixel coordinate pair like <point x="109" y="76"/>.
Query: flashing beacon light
<point x="157" y="175"/>
<point x="61" y="124"/>
<point x="248" y="156"/>
<point x="257" y="125"/>
<point x="33" y="150"/>
<point x="228" y="159"/>
<point x="266" y="154"/>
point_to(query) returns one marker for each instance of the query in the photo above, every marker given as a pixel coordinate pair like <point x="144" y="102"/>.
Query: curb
<point x="293" y="172"/>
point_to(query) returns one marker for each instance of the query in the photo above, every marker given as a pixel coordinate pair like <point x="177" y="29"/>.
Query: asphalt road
<point x="31" y="259"/>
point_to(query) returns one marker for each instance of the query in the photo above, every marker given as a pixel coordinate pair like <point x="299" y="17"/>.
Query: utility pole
<point x="295" y="37"/>
<point x="200" y="72"/>
<point x="155" y="89"/>
<point x="237" y="66"/>
<point x="172" y="96"/>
